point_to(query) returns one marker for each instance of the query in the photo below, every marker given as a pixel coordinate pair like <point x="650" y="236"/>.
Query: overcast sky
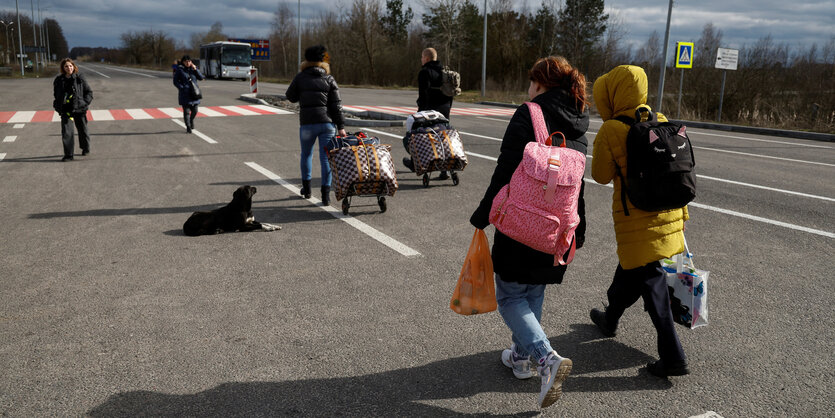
<point x="743" y="22"/>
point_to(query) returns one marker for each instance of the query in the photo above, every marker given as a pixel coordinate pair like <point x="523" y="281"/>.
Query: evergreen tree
<point x="396" y="21"/>
<point x="581" y="24"/>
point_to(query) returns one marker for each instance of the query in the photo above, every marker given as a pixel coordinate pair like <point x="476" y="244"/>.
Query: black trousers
<point x="67" y="134"/>
<point x="647" y="282"/>
<point x="189" y="112"/>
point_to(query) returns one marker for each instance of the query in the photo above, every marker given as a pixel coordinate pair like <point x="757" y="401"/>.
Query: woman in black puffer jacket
<point x="523" y="272"/>
<point x="320" y="115"/>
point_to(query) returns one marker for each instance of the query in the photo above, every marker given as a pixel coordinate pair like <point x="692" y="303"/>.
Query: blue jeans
<point x="307" y="137"/>
<point x="521" y="308"/>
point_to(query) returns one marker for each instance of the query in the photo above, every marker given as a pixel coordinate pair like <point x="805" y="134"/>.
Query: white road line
<point x="2" y="156"/>
<point x="18" y="126"/>
<point x="486" y="157"/>
<point x="56" y="117"/>
<point x="271" y="109"/>
<point x="22" y="116"/>
<point x="760" y="140"/>
<point x="10" y="138"/>
<point x="480" y="136"/>
<point x="170" y="111"/>
<point x="764" y="156"/>
<point x="239" y="110"/>
<point x="195" y="132"/>
<point x="131" y="72"/>
<point x="497" y="120"/>
<point x="209" y="112"/>
<point x="138" y="114"/>
<point x="739" y="183"/>
<point x="88" y="68"/>
<point x="336" y="213"/>
<point x="99" y="115"/>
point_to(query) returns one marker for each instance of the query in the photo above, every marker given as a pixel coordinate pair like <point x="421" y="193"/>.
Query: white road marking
<point x="239" y="110"/>
<point x="22" y="116"/>
<point x="764" y="156"/>
<point x="2" y="156"/>
<point x="138" y="114"/>
<point x="99" y="115"/>
<point x="271" y="109"/>
<point x="18" y="126"/>
<point x="195" y="132"/>
<point x="708" y="414"/>
<point x="486" y="157"/>
<point x="131" y="72"/>
<point x="739" y="183"/>
<point x="336" y="213"/>
<point x="497" y="120"/>
<point x="209" y="112"/>
<point x="88" y="68"/>
<point x="10" y="138"/>
<point x="170" y="111"/>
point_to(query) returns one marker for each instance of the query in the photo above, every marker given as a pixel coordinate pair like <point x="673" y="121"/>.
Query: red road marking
<point x="43" y="116"/>
<point x="256" y="110"/>
<point x="120" y="114"/>
<point x="226" y="112"/>
<point x="156" y="113"/>
<point x="5" y="116"/>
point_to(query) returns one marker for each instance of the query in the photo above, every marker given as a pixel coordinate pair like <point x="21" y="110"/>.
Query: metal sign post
<point x="684" y="59"/>
<point x="726" y="59"/>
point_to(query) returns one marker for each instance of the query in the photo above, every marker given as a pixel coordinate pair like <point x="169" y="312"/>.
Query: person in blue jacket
<point x="186" y="75"/>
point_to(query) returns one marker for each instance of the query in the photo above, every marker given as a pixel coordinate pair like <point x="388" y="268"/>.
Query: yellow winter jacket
<point x="643" y="237"/>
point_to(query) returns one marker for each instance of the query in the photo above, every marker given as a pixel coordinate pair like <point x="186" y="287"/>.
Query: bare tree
<point x="283" y="35"/>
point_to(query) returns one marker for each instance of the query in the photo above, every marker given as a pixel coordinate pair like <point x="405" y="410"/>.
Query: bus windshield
<point x="236" y="55"/>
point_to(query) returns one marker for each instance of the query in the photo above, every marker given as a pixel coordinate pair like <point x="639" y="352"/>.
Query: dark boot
<point x="305" y="192"/>
<point x="604" y="325"/>
<point x="326" y="195"/>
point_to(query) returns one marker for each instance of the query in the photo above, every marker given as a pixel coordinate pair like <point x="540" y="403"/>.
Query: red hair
<point x="555" y="71"/>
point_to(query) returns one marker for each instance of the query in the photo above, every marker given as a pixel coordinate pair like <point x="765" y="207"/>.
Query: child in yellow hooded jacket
<point x="643" y="238"/>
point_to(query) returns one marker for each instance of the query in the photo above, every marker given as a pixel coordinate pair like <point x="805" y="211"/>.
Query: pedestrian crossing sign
<point x="684" y="54"/>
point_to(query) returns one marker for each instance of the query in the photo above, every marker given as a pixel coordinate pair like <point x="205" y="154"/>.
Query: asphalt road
<point x="107" y="309"/>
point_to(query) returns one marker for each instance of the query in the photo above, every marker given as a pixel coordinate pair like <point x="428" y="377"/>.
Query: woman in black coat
<point x="522" y="272"/>
<point x="320" y="115"/>
<point x="72" y="97"/>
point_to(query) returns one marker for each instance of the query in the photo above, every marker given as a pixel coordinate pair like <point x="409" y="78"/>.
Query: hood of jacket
<point x="559" y="103"/>
<point x="620" y="91"/>
<point x="320" y="64"/>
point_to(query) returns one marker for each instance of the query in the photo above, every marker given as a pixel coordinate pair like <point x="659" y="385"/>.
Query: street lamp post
<point x="35" y="34"/>
<point x="484" y="55"/>
<point x="664" y="59"/>
<point x="19" y="38"/>
<point x="6" y="27"/>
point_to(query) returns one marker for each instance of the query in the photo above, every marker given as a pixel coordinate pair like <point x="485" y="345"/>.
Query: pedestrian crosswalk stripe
<point x="26" y="116"/>
<point x="459" y="111"/>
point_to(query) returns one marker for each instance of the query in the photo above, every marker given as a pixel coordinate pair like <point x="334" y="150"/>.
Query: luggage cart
<point x="453" y="174"/>
<point x="354" y="190"/>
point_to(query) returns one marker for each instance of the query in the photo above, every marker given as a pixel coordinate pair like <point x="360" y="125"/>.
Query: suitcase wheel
<point x="382" y="202"/>
<point x="345" y="206"/>
<point x="426" y="180"/>
<point x="454" y="178"/>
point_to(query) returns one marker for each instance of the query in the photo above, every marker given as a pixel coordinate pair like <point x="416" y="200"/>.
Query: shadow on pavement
<point x="401" y="392"/>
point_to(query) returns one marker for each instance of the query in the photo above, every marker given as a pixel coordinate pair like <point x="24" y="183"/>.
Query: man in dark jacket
<point x="320" y="115"/>
<point x="430" y="96"/>
<point x="72" y="97"/>
<point x="186" y="75"/>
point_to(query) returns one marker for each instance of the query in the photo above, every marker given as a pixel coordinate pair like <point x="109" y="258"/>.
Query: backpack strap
<point x="629" y="122"/>
<point x="540" y="130"/>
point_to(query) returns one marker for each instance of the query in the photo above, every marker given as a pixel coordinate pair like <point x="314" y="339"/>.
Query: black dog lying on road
<point x="236" y="216"/>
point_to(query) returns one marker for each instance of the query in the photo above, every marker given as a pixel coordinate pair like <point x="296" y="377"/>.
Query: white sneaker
<point x="554" y="371"/>
<point x="521" y="367"/>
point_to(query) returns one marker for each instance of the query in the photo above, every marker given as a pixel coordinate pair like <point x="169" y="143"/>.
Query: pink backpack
<point x="539" y="206"/>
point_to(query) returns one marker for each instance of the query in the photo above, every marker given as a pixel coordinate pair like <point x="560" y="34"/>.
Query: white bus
<point x="225" y="59"/>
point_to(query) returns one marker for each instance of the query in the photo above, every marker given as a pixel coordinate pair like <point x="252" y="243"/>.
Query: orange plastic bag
<point x="475" y="292"/>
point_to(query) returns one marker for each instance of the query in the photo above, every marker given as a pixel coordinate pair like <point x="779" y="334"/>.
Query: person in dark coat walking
<point x="186" y="74"/>
<point x="320" y="115"/>
<point x="521" y="272"/>
<point x="72" y="98"/>
<point x="430" y="96"/>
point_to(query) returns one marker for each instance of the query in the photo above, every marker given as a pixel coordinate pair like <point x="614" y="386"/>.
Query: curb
<point x="375" y="119"/>
<point x="814" y="136"/>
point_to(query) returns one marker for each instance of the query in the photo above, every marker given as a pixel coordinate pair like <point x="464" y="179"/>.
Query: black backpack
<point x="660" y="163"/>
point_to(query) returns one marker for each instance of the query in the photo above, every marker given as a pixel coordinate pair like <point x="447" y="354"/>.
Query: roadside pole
<point x="19" y="38"/>
<point x="684" y="59"/>
<point x="726" y="59"/>
<point x="664" y="59"/>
